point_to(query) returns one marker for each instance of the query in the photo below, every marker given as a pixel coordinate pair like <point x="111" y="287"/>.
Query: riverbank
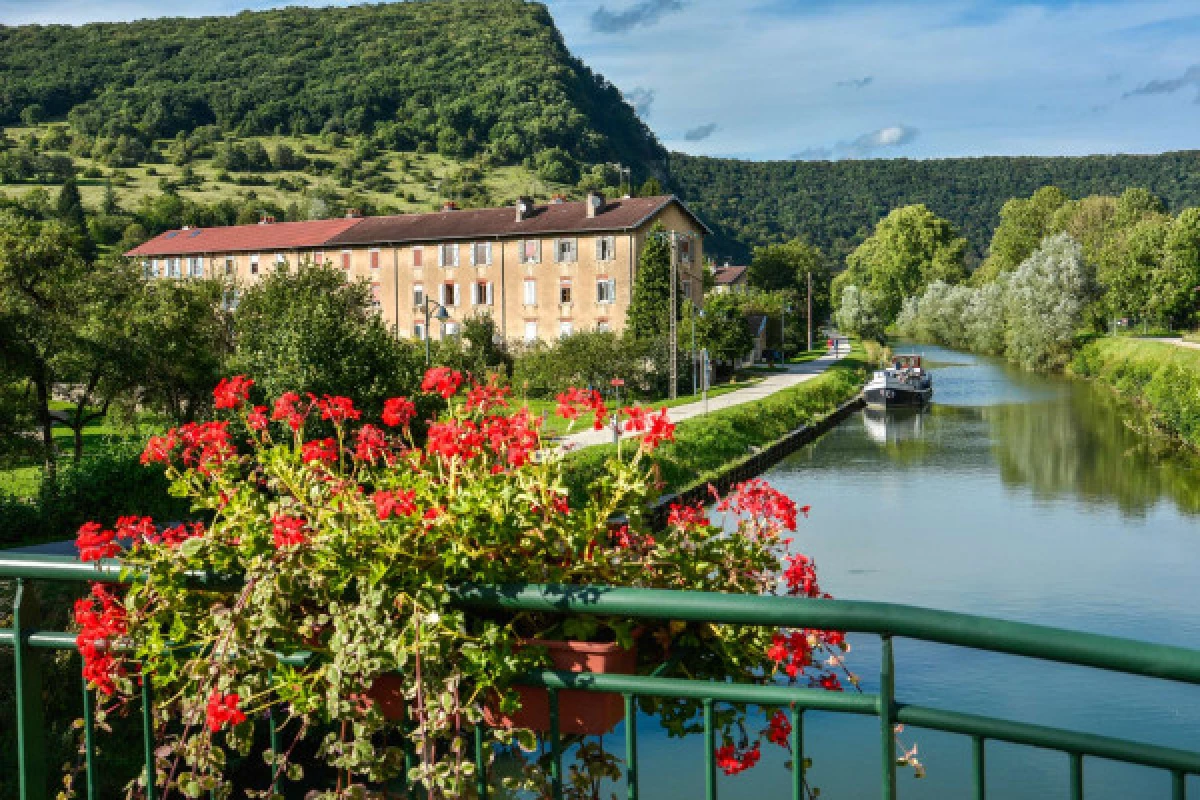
<point x="1159" y="375"/>
<point x="705" y="445"/>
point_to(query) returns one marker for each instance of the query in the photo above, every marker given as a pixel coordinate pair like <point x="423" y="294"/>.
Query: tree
<point x="1046" y="303"/>
<point x="310" y="330"/>
<point x="1177" y="283"/>
<point x="69" y="207"/>
<point x="909" y="249"/>
<point x="649" y="310"/>
<point x="723" y="329"/>
<point x="651" y="187"/>
<point x="859" y="314"/>
<point x="1024" y="222"/>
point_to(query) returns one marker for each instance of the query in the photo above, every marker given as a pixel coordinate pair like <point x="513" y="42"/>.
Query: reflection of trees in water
<point x="1090" y="445"/>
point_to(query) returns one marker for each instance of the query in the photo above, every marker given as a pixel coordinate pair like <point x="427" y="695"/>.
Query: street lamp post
<point x="694" y="349"/>
<point x="784" y="310"/>
<point x="441" y="315"/>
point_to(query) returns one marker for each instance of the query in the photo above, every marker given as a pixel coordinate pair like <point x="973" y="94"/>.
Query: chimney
<point x="524" y="208"/>
<point x="558" y="199"/>
<point x="595" y="204"/>
<point x="267" y="219"/>
<point x="353" y="213"/>
<point x="449" y="205"/>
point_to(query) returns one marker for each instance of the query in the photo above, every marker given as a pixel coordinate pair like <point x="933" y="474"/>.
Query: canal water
<point x="1023" y="497"/>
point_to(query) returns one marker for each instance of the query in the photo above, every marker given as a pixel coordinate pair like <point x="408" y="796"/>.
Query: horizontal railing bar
<point x="947" y="627"/>
<point x="682" y="688"/>
<point x="58" y="640"/>
<point x="1042" y="736"/>
<point x="70" y="569"/>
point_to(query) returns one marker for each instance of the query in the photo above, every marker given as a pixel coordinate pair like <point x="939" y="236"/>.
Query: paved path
<point x="772" y="383"/>
<point x="1176" y="341"/>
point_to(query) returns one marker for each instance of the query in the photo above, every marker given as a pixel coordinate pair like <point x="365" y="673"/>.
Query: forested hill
<point x="466" y="78"/>
<point x="835" y="204"/>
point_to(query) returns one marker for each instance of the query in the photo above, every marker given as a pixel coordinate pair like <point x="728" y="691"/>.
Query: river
<point x="1017" y="496"/>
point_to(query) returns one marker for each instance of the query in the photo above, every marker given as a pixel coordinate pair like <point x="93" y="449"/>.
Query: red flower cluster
<point x="685" y="517"/>
<point x="158" y="449"/>
<point x="828" y="682"/>
<point x="779" y="728"/>
<point x="289" y="409"/>
<point x="232" y="392"/>
<point x="455" y="439"/>
<point x="443" y="381"/>
<point x="489" y="396"/>
<point x="389" y="504"/>
<point x="624" y="540"/>
<point x="288" y="531"/>
<point x="101" y="618"/>
<point x="801" y="576"/>
<point x="257" y="418"/>
<point x="732" y="762"/>
<point x="372" y="445"/>
<point x="223" y="710"/>
<point x="514" y="438"/>
<point x="323" y="451"/>
<point x="573" y="401"/>
<point x="206" y="445"/>
<point x="337" y="409"/>
<point x="657" y="427"/>
<point x="760" y="501"/>
<point x="791" y="651"/>
<point x="398" y="411"/>
<point x="177" y="535"/>
<point x="95" y="543"/>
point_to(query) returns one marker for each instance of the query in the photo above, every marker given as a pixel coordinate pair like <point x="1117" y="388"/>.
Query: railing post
<point x="31" y="733"/>
<point x="710" y="752"/>
<point x="979" y="768"/>
<point x="89" y="750"/>
<point x="556" y="781"/>
<point x="798" y="754"/>
<point x="887" y="718"/>
<point x="148" y="736"/>
<point x="1076" y="776"/>
<point x="631" y="758"/>
<point x="1178" y="786"/>
<point x="481" y="764"/>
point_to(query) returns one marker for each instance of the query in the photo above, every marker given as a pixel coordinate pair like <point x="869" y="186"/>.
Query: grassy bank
<point x="1161" y="376"/>
<point x="703" y="445"/>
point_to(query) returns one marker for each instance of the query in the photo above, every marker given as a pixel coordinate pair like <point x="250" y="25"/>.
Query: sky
<point x="840" y="79"/>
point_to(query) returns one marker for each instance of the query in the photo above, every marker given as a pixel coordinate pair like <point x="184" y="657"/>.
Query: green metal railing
<point x="886" y="620"/>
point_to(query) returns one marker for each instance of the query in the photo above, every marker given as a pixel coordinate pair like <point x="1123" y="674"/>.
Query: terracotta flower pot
<point x="579" y="711"/>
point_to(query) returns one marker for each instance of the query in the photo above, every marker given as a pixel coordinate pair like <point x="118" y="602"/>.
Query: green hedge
<point x="1161" y="376"/>
<point x="703" y="445"/>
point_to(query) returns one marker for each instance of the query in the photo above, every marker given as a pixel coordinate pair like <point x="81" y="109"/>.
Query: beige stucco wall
<point x="396" y="276"/>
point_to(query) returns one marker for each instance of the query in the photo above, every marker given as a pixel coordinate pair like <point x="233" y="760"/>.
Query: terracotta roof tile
<point x="240" y="238"/>
<point x="725" y="276"/>
<point x="618" y="215"/>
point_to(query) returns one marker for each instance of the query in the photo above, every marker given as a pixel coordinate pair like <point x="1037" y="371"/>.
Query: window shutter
<point x="474" y="260"/>
<point x="489" y="293"/>
<point x="442" y="293"/>
<point x="487" y="248"/>
<point x="600" y="248"/>
<point x="454" y="288"/>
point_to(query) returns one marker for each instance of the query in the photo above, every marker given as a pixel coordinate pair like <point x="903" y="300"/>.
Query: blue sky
<point x="774" y="79"/>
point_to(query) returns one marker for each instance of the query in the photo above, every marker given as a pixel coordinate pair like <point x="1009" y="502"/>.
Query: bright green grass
<point x="504" y="183"/>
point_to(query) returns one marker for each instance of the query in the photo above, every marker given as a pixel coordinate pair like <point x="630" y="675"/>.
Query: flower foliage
<point x="342" y="547"/>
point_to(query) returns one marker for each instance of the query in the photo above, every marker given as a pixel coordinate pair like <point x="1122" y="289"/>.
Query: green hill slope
<point x="835" y="203"/>
<point x="465" y="78"/>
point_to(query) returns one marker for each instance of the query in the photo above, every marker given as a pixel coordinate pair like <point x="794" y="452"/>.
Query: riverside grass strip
<point x="736" y="443"/>
<point x="1158" y="375"/>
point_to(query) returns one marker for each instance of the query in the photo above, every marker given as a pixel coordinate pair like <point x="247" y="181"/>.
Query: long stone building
<point x="540" y="271"/>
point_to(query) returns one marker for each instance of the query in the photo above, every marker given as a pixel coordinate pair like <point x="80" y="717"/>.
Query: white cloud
<point x="646" y="12"/>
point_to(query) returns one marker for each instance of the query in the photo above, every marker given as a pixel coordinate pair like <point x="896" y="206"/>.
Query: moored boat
<point x="905" y="383"/>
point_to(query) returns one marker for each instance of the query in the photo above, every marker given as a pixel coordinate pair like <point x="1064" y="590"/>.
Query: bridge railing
<point x="888" y="621"/>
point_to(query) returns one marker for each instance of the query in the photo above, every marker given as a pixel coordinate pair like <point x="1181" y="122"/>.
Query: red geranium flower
<point x="232" y="392"/>
<point x="321" y="450"/>
<point x="388" y="504"/>
<point x="398" y="411"/>
<point x="338" y="409"/>
<point x="95" y="543"/>
<point x="288" y="531"/>
<point x="443" y="381"/>
<point x="223" y="710"/>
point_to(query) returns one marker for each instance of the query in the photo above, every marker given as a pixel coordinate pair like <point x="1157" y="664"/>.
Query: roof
<point x="618" y="215"/>
<point x="726" y="276"/>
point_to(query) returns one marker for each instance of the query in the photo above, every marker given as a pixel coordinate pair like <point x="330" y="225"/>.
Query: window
<point x="606" y="290"/>
<point x="451" y="329"/>
<point x="319" y="257"/>
<point x="197" y="267"/>
<point x="254" y="264"/>
<point x="564" y="292"/>
<point x="154" y="267"/>
<point x="374" y="258"/>
<point x="685" y="250"/>
<point x="376" y="295"/>
<point x="481" y="254"/>
<point x="173" y="267"/>
<point x="419" y="330"/>
<point x="530" y="251"/>
<point x="606" y="248"/>
<point x="346" y="259"/>
<point x="687" y="288"/>
<point x="565" y="327"/>
<point x="280" y="259"/>
<point x="448" y="255"/>
<point x="418" y="256"/>
<point x="229" y="265"/>
<point x="418" y="294"/>
<point x="602" y="326"/>
<point x="449" y="292"/>
<point x="146" y="273"/>
<point x="531" y="330"/>
<point x="565" y="251"/>
<point x="482" y="293"/>
<point x="530" y="292"/>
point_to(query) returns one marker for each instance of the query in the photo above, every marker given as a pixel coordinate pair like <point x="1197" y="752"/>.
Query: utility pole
<point x="810" y="310"/>
<point x="674" y="345"/>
